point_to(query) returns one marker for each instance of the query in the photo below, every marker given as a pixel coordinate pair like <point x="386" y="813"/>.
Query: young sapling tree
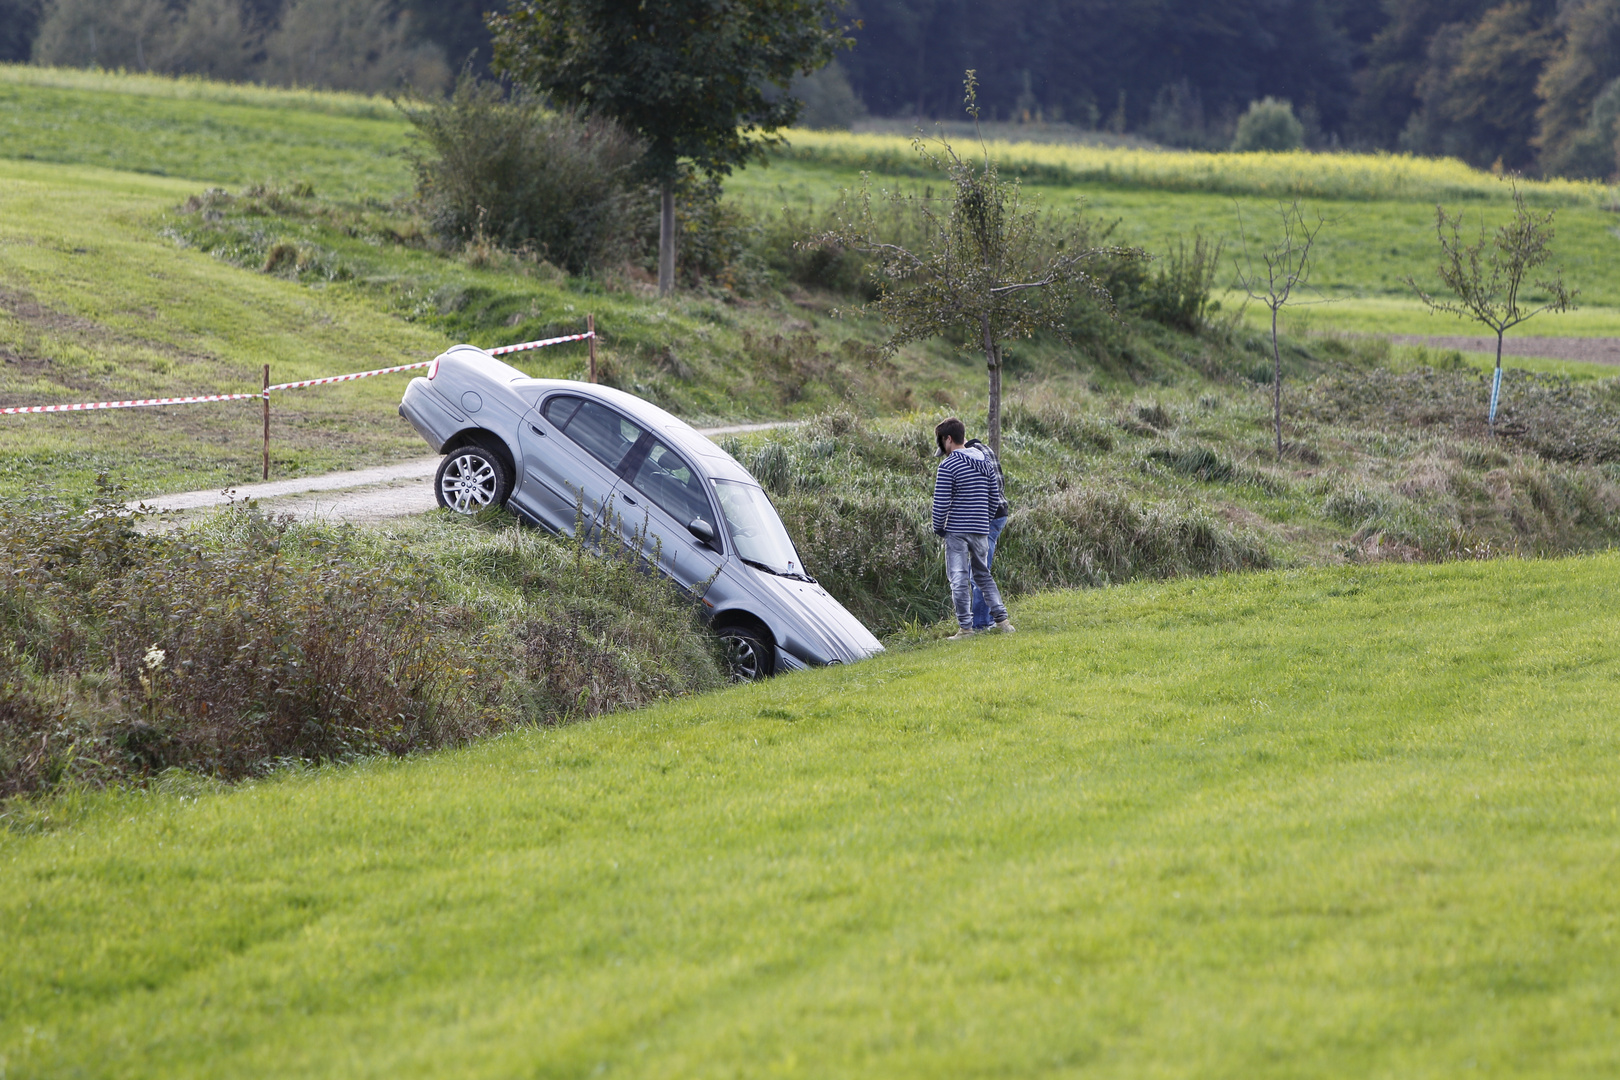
<point x="1272" y="275"/>
<point x="1487" y="278"/>
<point x="987" y="268"/>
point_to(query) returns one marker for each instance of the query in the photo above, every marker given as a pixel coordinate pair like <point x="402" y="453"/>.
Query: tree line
<point x="1529" y="86"/>
<point x="1532" y="84"/>
<point x="364" y="45"/>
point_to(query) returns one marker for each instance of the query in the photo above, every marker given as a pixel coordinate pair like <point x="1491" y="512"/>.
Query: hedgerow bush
<point x="504" y="167"/>
<point x="235" y="645"/>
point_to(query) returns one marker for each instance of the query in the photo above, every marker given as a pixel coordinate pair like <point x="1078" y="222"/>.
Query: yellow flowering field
<point x="1331" y="176"/>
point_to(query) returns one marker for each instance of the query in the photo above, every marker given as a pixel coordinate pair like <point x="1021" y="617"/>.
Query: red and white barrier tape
<point x="527" y="345"/>
<point x="345" y="378"/>
<point x="138" y="403"/>
<point x="90" y="406"/>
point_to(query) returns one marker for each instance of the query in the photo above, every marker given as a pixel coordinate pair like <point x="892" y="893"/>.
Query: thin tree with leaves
<point x="691" y="77"/>
<point x="1488" y="277"/>
<point x="1272" y="275"/>
<point x="988" y="267"/>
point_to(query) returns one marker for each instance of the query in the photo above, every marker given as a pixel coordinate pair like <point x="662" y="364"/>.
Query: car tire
<point x="748" y="657"/>
<point x="471" y="480"/>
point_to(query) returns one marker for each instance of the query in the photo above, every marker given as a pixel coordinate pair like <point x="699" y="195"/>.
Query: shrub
<point x="506" y="169"/>
<point x="1178" y="292"/>
<point x="1269" y="124"/>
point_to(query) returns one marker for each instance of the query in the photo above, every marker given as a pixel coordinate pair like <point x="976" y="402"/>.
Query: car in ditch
<point x="570" y="456"/>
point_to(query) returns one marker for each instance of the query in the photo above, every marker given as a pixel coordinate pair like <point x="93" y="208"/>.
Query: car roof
<point x="681" y="436"/>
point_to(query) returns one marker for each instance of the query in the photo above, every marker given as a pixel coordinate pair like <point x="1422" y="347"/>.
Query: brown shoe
<point x="960" y="635"/>
<point x="1005" y="627"/>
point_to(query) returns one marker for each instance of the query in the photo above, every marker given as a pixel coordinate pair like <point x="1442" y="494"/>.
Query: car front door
<point x="660" y="497"/>
<point x="573" y="448"/>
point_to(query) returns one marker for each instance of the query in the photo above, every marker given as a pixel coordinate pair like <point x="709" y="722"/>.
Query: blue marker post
<point x="1496" y="393"/>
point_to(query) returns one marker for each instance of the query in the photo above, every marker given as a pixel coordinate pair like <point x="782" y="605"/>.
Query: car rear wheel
<point x="748" y="658"/>
<point x="471" y="480"/>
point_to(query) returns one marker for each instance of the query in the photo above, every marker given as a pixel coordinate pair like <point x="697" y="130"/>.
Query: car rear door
<point x="573" y="448"/>
<point x="661" y="495"/>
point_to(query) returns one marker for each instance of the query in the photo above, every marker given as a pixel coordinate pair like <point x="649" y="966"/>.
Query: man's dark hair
<point x="951" y="427"/>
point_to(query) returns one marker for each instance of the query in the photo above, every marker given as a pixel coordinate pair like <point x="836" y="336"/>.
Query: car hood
<point x="817" y="629"/>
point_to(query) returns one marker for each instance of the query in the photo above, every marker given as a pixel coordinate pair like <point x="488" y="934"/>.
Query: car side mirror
<point x="703" y="531"/>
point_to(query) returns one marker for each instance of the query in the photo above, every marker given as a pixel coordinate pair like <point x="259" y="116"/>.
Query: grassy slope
<point x="96" y="304"/>
<point x="1334" y="823"/>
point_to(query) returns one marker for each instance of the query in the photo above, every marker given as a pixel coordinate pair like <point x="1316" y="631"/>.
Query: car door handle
<point x="536" y="430"/>
<point x="628" y="499"/>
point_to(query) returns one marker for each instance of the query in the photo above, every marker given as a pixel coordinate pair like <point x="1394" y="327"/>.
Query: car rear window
<point x="603" y="433"/>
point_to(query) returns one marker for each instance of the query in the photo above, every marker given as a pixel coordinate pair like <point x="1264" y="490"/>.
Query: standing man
<point x="964" y="499"/>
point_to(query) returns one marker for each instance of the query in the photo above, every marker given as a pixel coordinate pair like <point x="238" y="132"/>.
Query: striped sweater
<point x="964" y="492"/>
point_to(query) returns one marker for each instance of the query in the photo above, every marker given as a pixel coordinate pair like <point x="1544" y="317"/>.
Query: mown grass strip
<point x="1339" y="823"/>
<point x="198" y="88"/>
<point x="210" y="138"/>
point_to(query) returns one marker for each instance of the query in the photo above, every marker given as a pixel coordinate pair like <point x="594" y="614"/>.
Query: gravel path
<point x="376" y="494"/>
<point x="1589" y="350"/>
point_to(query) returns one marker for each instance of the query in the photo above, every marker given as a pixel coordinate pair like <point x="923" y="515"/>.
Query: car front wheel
<point x="748" y="658"/>
<point x="471" y="480"/>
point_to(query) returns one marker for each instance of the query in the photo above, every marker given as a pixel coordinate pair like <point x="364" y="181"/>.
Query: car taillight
<point x="433" y="371"/>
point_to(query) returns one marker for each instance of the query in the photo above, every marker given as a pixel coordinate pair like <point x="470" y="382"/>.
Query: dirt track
<point x="377" y="494"/>
<point x="1589" y="350"/>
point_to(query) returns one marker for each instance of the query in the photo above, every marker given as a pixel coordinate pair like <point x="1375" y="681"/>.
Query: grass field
<point x="1363" y="255"/>
<point x="1380" y="208"/>
<point x="1356" y="822"/>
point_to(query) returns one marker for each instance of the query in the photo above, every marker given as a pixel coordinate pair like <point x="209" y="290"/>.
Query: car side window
<point x="560" y="410"/>
<point x="603" y="433"/>
<point x="670" y="482"/>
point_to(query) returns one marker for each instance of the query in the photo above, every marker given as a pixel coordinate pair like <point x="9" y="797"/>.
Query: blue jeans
<point x="967" y="565"/>
<point x="981" y="609"/>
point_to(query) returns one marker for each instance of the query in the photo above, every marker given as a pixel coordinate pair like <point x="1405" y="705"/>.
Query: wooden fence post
<point x="267" y="421"/>
<point x="590" y="328"/>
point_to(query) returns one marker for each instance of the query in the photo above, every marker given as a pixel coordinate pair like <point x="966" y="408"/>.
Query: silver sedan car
<point x="569" y="455"/>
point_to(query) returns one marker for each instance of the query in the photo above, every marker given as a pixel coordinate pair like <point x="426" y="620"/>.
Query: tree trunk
<point x="1276" y="384"/>
<point x="992" y="360"/>
<point x="666" y="239"/>
<point x="1496" y="386"/>
<point x="994" y="420"/>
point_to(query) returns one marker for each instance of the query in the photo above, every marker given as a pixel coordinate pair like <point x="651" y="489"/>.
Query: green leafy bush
<point x="507" y="169"/>
<point x="1269" y="124"/>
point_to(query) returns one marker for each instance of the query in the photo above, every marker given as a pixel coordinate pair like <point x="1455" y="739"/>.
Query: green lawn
<point x="1352" y="822"/>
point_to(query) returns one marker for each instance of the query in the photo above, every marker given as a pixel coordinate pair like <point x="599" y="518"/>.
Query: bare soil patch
<point x="1586" y="350"/>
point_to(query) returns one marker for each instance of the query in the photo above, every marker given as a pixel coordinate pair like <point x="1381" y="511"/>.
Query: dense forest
<point x="1528" y="85"/>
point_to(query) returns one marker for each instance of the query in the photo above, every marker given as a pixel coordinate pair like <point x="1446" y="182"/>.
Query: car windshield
<point x="756" y="531"/>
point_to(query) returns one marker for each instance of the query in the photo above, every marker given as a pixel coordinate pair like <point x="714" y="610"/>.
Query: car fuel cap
<point x="471" y="401"/>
